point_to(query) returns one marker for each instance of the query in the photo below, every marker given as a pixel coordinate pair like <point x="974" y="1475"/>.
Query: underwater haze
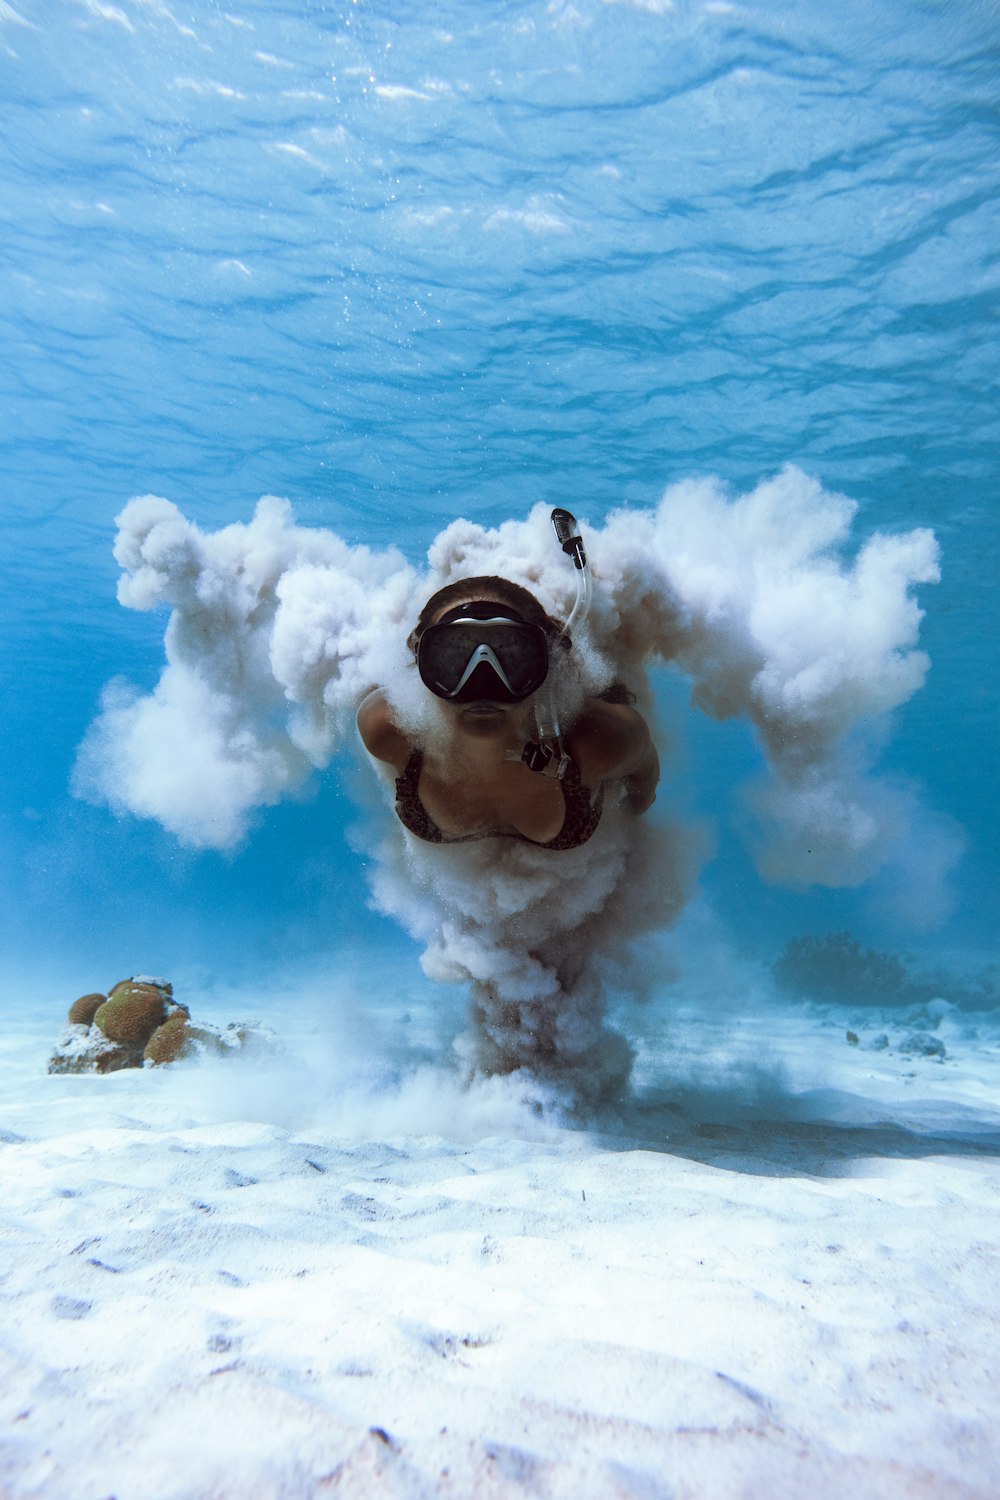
<point x="403" y="264"/>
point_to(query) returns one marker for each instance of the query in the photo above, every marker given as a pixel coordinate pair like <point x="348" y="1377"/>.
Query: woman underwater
<point x="484" y="647"/>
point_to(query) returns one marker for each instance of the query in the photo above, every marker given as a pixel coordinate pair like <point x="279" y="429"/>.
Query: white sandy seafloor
<point x="776" y="1273"/>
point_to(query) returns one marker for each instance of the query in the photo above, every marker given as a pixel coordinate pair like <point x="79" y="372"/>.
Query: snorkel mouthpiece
<point x="568" y="537"/>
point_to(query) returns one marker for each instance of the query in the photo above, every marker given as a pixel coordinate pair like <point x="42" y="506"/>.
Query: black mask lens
<point x="496" y="659"/>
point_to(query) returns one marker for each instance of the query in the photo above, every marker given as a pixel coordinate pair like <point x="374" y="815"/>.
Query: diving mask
<point x="483" y="652"/>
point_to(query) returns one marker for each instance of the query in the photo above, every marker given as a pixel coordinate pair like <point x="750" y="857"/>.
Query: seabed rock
<point x="140" y="1024"/>
<point x="922" y="1044"/>
<point x="85" y="1049"/>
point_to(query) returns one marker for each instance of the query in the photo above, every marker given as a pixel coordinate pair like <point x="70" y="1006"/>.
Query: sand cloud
<point x="276" y="631"/>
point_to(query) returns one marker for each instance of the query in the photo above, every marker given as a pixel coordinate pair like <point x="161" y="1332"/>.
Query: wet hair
<point x="500" y="590"/>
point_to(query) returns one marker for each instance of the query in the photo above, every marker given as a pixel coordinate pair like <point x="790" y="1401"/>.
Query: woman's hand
<point x="641" y="783"/>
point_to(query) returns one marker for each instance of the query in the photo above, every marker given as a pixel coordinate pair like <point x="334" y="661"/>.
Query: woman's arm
<point x="379" y="734"/>
<point x="612" y="740"/>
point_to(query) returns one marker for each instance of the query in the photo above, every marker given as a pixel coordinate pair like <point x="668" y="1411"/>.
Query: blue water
<point x="402" y="263"/>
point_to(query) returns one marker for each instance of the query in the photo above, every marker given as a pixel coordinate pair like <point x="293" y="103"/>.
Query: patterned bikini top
<point x="582" y="813"/>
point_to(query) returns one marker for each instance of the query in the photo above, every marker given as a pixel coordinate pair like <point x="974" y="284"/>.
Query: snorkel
<point x="546" y="755"/>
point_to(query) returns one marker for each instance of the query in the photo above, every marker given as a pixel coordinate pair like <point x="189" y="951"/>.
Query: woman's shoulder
<point x="380" y="735"/>
<point x="608" y="739"/>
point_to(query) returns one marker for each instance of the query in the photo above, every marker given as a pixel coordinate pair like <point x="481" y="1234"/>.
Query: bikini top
<point x="582" y="813"/>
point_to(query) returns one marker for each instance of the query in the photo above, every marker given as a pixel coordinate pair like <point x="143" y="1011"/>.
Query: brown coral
<point x="131" y="1013"/>
<point x="141" y="1022"/>
<point x="83" y="1011"/>
<point x="169" y="1041"/>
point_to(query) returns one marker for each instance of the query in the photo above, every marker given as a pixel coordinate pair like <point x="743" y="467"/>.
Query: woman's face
<point x="482" y="717"/>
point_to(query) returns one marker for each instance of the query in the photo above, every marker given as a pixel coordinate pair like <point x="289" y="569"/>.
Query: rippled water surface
<point x="401" y="263"/>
